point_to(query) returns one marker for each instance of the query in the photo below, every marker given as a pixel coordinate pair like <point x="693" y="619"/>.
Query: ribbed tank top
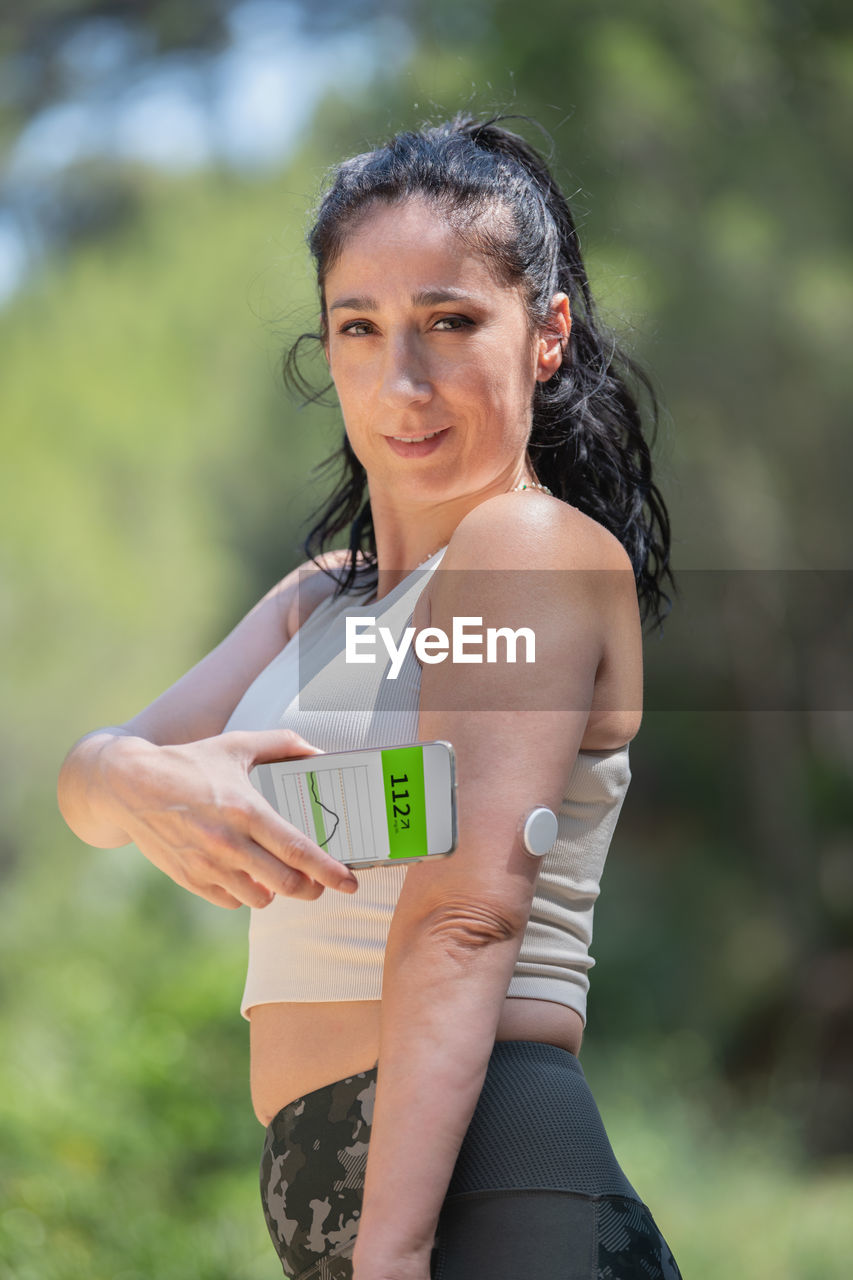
<point x="334" y="947"/>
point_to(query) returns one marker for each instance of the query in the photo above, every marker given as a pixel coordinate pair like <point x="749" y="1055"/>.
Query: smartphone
<point x="370" y="807"/>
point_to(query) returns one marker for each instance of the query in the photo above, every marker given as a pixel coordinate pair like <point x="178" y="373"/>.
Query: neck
<point x="406" y="538"/>
<point x="422" y="548"/>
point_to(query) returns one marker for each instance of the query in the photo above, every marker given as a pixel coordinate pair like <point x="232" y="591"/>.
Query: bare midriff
<point x="299" y="1047"/>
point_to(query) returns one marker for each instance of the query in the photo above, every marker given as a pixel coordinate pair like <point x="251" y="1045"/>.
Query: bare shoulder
<point x="526" y="533"/>
<point x="591" y="607"/>
<point x="532" y="531"/>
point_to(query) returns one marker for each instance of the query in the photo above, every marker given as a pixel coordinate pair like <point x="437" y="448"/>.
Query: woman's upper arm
<point x="515" y="727"/>
<point x="199" y="704"/>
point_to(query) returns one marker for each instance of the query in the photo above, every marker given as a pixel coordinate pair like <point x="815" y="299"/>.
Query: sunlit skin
<point x="406" y="361"/>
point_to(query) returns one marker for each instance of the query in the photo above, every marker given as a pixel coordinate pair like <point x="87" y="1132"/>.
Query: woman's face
<point x="423" y="337"/>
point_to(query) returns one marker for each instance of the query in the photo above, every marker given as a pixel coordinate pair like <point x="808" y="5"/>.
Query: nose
<point x="404" y="376"/>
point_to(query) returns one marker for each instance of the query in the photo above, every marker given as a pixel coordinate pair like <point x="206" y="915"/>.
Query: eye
<point x="357" y="327"/>
<point x="454" y="322"/>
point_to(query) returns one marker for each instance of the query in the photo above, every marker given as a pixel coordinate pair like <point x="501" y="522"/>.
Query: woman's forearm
<point x="441" y="1003"/>
<point x="83" y="790"/>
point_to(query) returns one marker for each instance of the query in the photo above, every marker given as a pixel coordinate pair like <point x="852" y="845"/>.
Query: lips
<point x="416" y="436"/>
<point x="417" y="448"/>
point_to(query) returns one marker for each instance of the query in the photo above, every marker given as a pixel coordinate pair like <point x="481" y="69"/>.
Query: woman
<point x="414" y="1045"/>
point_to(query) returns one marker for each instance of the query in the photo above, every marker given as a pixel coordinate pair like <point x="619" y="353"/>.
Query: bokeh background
<point x="159" y="161"/>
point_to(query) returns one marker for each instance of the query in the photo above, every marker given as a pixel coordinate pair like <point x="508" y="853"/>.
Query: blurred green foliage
<point x="154" y="483"/>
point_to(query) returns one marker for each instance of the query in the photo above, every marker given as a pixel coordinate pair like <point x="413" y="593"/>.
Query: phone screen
<point x="368" y="806"/>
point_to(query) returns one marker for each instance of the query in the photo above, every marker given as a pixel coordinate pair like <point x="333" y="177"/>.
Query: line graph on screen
<point x="333" y="807"/>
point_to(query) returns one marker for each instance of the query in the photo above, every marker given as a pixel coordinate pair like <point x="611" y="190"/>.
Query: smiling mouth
<point x="418" y="439"/>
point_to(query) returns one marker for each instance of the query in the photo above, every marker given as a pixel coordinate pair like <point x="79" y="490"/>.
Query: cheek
<point x="505" y="384"/>
<point x="349" y="379"/>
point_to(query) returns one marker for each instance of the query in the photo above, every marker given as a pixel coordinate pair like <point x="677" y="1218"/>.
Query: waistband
<point x="503" y="1052"/>
<point x="535" y="1125"/>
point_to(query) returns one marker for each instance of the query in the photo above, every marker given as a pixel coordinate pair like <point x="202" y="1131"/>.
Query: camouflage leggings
<point x="536" y="1189"/>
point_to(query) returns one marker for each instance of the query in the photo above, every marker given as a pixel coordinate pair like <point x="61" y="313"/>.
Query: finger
<point x="293" y="885"/>
<point x="241" y="889"/>
<point x="289" y="846"/>
<point x="255" y="875"/>
<point x="236" y="888"/>
<point x="251" y="892"/>
<point x="200" y="880"/>
<point x="246" y="869"/>
<point x="220" y="897"/>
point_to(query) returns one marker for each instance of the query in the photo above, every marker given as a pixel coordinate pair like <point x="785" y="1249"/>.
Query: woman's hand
<point x="411" y="1270"/>
<point x="192" y="811"/>
<point x="373" y="1259"/>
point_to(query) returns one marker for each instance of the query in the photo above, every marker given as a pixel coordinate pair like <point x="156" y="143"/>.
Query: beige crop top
<point x="333" y="948"/>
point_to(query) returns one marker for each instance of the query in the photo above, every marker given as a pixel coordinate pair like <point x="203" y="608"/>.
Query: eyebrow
<point x="424" y="298"/>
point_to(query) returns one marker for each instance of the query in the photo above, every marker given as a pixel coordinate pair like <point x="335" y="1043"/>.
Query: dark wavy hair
<point x="587" y="442"/>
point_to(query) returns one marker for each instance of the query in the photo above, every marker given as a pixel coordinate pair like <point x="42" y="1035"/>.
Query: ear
<point x="554" y="338"/>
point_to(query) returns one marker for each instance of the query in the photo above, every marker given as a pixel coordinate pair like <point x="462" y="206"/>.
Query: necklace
<point x="534" y="484"/>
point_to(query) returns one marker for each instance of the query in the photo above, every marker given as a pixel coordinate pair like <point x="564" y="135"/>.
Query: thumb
<point x="268" y="745"/>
